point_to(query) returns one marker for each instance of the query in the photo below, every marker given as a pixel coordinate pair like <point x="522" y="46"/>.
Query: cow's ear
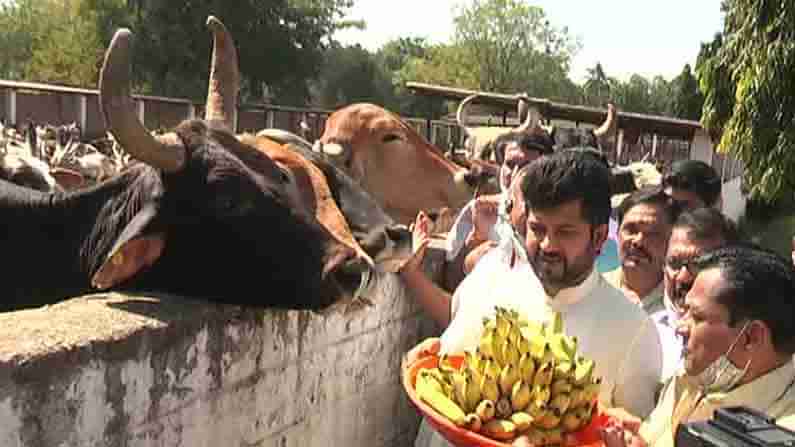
<point x="138" y="247"/>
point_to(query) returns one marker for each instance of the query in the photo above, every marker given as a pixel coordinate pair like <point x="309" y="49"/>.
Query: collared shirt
<point x="666" y="321"/>
<point x="651" y="302"/>
<point x="612" y="331"/>
<point x="682" y="401"/>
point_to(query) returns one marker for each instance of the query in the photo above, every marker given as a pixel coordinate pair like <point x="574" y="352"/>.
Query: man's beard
<point x="557" y="274"/>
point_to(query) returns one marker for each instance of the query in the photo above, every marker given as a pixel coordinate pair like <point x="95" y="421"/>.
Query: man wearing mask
<point x="645" y="219"/>
<point x="739" y="342"/>
<point x="558" y="210"/>
<point x="477" y="227"/>
<point x="694" y="233"/>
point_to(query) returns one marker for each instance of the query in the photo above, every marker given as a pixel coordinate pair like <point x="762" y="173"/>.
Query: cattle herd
<point x="262" y="219"/>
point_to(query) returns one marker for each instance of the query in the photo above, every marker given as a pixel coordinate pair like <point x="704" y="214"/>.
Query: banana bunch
<point x="524" y="378"/>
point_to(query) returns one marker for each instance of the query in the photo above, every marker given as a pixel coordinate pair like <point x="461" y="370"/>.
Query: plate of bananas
<point x="523" y="379"/>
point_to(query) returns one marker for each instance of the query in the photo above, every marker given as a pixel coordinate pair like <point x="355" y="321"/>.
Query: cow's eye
<point x="388" y="138"/>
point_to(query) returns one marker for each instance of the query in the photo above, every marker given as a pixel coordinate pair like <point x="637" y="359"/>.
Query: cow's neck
<point x="44" y="241"/>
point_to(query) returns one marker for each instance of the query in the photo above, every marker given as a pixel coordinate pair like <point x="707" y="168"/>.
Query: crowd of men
<point x="693" y="319"/>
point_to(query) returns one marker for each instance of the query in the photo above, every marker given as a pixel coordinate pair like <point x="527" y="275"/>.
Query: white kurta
<point x="618" y="335"/>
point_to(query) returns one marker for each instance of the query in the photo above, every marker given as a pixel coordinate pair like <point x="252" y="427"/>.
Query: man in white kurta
<point x="618" y="335"/>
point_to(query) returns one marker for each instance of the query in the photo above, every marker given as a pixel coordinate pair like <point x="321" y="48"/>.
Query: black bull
<point x="192" y="219"/>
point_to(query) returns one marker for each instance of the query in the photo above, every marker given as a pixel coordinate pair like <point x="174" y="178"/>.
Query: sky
<point x="648" y="37"/>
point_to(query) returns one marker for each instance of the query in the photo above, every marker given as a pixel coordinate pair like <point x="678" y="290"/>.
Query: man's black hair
<point x="536" y="140"/>
<point x="758" y="284"/>
<point x="566" y="176"/>
<point x="649" y="195"/>
<point x="707" y="224"/>
<point x="697" y="177"/>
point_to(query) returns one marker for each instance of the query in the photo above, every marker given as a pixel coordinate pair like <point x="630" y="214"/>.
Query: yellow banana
<point x="472" y="393"/>
<point x="591" y="390"/>
<point x="560" y="402"/>
<point x="499" y="429"/>
<point x="489" y="323"/>
<point x="523" y="345"/>
<point x="492" y="368"/>
<point x="459" y="389"/>
<point x="558" y="348"/>
<point x="584" y="414"/>
<point x="489" y="388"/>
<point x="535" y="410"/>
<point x="485" y="410"/>
<point x="508" y="376"/>
<point x="531" y="329"/>
<point x="439" y="402"/>
<point x="503" y="408"/>
<point x="487" y="342"/>
<point x="514" y="334"/>
<point x="570" y="345"/>
<point x="445" y="366"/>
<point x="583" y="371"/>
<point x="527" y="367"/>
<point x="473" y="422"/>
<point x="541" y="395"/>
<point x="520" y="395"/>
<point x="522" y="421"/>
<point x="553" y="436"/>
<point x="548" y="420"/>
<point x="543" y="374"/>
<point x="570" y="421"/>
<point x="538" y="346"/>
<point x="563" y="370"/>
<point x="503" y="325"/>
<point x="555" y="324"/>
<point x="561" y="386"/>
<point x="510" y="354"/>
<point x="577" y="397"/>
<point x="471" y="360"/>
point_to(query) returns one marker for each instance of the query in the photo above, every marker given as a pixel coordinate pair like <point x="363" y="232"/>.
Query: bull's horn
<point x="332" y="149"/>
<point x="461" y="115"/>
<point x="224" y="76"/>
<point x="531" y="116"/>
<point x="608" y="128"/>
<point x="118" y="111"/>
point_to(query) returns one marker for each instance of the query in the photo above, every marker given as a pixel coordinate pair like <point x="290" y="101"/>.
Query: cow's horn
<point x="167" y="154"/>
<point x="531" y="117"/>
<point x="332" y="149"/>
<point x="608" y="128"/>
<point x="224" y="76"/>
<point x="462" y="115"/>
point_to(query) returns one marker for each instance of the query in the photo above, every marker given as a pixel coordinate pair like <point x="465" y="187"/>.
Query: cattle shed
<point x="638" y="134"/>
<point x="115" y="370"/>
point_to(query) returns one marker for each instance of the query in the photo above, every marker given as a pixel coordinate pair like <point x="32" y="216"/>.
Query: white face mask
<point x="721" y="376"/>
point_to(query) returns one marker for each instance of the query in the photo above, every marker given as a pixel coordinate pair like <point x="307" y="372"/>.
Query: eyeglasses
<point x="676" y="264"/>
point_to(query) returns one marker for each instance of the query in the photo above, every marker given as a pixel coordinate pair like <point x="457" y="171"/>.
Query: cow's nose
<point x="347" y="268"/>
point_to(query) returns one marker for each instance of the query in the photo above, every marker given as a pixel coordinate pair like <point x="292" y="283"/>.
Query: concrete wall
<point x="733" y="200"/>
<point x="125" y="370"/>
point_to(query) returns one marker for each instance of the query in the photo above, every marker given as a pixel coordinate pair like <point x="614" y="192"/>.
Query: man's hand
<point x="615" y="436"/>
<point x="420" y="238"/>
<point x="484" y="215"/>
<point x="623" y="418"/>
<point x="429" y="346"/>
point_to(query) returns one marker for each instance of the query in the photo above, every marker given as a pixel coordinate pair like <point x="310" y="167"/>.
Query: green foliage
<point x="351" y="74"/>
<point x="753" y="65"/>
<point x="688" y="100"/>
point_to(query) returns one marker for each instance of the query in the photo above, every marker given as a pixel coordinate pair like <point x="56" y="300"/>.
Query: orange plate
<point x="460" y="437"/>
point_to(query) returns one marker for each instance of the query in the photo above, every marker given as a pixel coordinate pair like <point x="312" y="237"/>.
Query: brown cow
<point x="402" y="170"/>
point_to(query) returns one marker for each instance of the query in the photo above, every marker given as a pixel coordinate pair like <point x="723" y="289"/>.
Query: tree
<point x="688" y="100"/>
<point x="596" y="88"/>
<point x="749" y="91"/>
<point x="502" y="46"/>
<point x="351" y="74"/>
